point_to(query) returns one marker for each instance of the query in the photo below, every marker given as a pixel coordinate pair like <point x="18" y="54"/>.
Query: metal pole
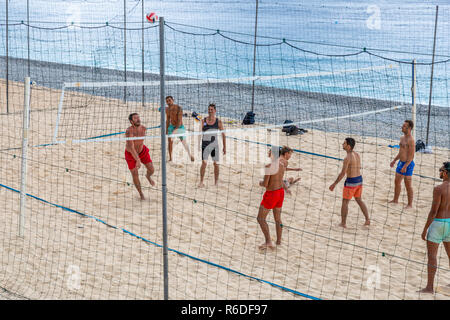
<point x="125" y="46"/>
<point x="432" y="71"/>
<point x="413" y="94"/>
<point x="25" y="127"/>
<point x="7" y="58"/>
<point x="163" y="156"/>
<point x="28" y="36"/>
<point x="254" y="57"/>
<point x="143" y="19"/>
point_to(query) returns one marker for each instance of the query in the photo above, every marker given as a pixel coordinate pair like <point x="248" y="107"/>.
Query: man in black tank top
<point x="209" y="143"/>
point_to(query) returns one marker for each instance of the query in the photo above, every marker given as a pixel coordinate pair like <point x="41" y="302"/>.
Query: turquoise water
<point x="398" y="30"/>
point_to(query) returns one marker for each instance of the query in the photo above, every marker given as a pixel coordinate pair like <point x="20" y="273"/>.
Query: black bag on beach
<point x="290" y="130"/>
<point x="420" y="145"/>
<point x="249" y="118"/>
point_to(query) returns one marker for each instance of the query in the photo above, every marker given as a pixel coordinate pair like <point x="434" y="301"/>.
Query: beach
<point x="87" y="236"/>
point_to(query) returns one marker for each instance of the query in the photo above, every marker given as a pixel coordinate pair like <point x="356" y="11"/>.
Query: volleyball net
<point x="85" y="234"/>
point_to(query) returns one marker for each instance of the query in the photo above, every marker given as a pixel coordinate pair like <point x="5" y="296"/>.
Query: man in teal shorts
<point x="437" y="227"/>
<point x="174" y="125"/>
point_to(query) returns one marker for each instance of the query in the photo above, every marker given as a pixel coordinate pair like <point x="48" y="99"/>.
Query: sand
<point x="77" y="242"/>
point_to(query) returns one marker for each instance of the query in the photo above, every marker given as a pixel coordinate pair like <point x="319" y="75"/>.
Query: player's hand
<point x="288" y="192"/>
<point x="404" y="169"/>
<point x="424" y="235"/>
<point x="332" y="187"/>
<point x="392" y="163"/>
<point x="138" y="164"/>
<point x="299" y="169"/>
<point x="224" y="151"/>
<point x="261" y="183"/>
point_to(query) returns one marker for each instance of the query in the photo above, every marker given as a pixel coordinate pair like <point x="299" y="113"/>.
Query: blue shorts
<point x="409" y="170"/>
<point x="181" y="129"/>
<point x="439" y="231"/>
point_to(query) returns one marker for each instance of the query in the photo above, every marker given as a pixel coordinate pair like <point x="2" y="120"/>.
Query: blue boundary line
<point x="295" y="150"/>
<point x="321" y="155"/>
<point x="158" y="245"/>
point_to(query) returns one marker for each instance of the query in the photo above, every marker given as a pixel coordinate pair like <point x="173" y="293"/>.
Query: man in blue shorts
<point x="437" y="227"/>
<point x="405" y="166"/>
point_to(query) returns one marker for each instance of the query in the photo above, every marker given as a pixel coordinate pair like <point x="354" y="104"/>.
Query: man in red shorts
<point x="136" y="152"/>
<point x="353" y="184"/>
<point x="274" y="196"/>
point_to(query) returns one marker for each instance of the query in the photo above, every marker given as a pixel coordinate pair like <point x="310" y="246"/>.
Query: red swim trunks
<point x="144" y="156"/>
<point x="273" y="199"/>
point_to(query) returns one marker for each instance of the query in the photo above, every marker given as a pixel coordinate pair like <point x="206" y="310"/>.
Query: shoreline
<point x="272" y="105"/>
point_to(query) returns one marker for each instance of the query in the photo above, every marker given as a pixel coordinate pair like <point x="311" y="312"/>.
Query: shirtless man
<point x="353" y="183"/>
<point x="174" y="125"/>
<point x="289" y="181"/>
<point x="136" y="153"/>
<point x="438" y="225"/>
<point x="273" y="197"/>
<point x="406" y="164"/>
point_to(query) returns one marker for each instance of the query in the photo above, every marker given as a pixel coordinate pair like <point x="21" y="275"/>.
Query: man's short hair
<point x="130" y="117"/>
<point x="169" y="97"/>
<point x="285" y="150"/>
<point x="351" y="142"/>
<point x="212" y="105"/>
<point x="447" y="166"/>
<point x="410" y="123"/>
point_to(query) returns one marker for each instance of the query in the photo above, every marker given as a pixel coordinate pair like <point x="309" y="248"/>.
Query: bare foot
<point x="393" y="201"/>
<point x="151" y="181"/>
<point x="342" y="225"/>
<point x="278" y="243"/>
<point x="142" y="196"/>
<point x="192" y="159"/>
<point x="426" y="290"/>
<point x="367" y="223"/>
<point x="408" y="207"/>
<point x="201" y="185"/>
<point x="265" y="245"/>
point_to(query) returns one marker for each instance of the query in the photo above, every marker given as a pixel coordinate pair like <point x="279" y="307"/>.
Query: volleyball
<point x="151" y="17"/>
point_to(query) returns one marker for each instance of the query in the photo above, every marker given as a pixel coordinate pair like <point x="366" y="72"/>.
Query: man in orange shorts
<point x="136" y="153"/>
<point x="353" y="183"/>
<point x="274" y="196"/>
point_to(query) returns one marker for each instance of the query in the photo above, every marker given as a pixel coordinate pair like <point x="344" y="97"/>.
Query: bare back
<point x="276" y="180"/>
<point x="444" y="206"/>
<point x="136" y="132"/>
<point x="354" y="164"/>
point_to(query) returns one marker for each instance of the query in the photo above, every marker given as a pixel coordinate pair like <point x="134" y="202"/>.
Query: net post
<point x="58" y="117"/>
<point x="413" y="94"/>
<point x="142" y="53"/>
<point x="23" y="178"/>
<point x="432" y="74"/>
<point x="7" y="58"/>
<point x="125" y="47"/>
<point x="163" y="156"/>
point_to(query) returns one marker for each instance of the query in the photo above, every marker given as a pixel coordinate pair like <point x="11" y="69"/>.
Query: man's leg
<point x="216" y="173"/>
<point x="409" y="191"/>
<point x="447" y="249"/>
<point x="186" y="147"/>
<point x="278" y="224"/>
<point x="364" y="210"/>
<point x="202" y="173"/>
<point x="432" y="249"/>
<point x="262" y="215"/>
<point x="137" y="182"/>
<point x="170" y="148"/>
<point x="150" y="171"/>
<point x="344" y="212"/>
<point x="397" y="188"/>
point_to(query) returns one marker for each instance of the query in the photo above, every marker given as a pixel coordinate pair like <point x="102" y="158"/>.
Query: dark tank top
<point x="213" y="127"/>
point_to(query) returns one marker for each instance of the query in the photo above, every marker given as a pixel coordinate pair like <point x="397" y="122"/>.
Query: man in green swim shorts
<point x="174" y="125"/>
<point x="438" y="224"/>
